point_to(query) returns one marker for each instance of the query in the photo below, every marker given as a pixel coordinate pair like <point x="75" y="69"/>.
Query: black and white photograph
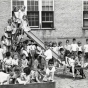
<point x="43" y="43"/>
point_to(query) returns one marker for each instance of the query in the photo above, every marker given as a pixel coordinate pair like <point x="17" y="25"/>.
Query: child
<point x="70" y="62"/>
<point x="60" y="45"/>
<point x="8" y="29"/>
<point x="79" y="62"/>
<point x="80" y="48"/>
<point x="86" y="50"/>
<point x="15" y="60"/>
<point x="25" y="24"/>
<point x="35" y="63"/>
<point x="55" y="48"/>
<point x="8" y="61"/>
<point x="3" y="39"/>
<point x="26" y="77"/>
<point x="48" y="54"/>
<point x="24" y="61"/>
<point x="74" y="47"/>
<point x="1" y="57"/>
<point x="62" y="58"/>
<point x="34" y="76"/>
<point x="49" y="72"/>
<point x="67" y="46"/>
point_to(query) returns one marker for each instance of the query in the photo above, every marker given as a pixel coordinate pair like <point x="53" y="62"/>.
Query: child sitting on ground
<point x="26" y="75"/>
<point x="8" y="61"/>
<point x="70" y="62"/>
<point x="15" y="60"/>
<point x="50" y="70"/>
<point x="24" y="61"/>
<point x="34" y="71"/>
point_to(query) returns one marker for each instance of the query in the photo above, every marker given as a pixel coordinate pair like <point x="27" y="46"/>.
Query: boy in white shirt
<point x="86" y="50"/>
<point x="50" y="70"/>
<point x="55" y="48"/>
<point x="80" y="48"/>
<point x="15" y="60"/>
<point x="8" y="61"/>
<point x="67" y="46"/>
<point x="48" y="54"/>
<point x="74" y="47"/>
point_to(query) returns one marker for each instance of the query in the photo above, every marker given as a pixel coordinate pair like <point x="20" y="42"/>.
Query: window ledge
<point x="42" y="28"/>
<point x="85" y="28"/>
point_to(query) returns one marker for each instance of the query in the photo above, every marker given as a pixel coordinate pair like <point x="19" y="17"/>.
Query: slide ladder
<point x="41" y="43"/>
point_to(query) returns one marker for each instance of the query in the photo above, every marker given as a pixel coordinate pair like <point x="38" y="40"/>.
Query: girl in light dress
<point x="25" y="24"/>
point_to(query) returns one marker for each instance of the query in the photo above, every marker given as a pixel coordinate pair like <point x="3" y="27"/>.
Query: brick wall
<point x="67" y="20"/>
<point x="5" y="14"/>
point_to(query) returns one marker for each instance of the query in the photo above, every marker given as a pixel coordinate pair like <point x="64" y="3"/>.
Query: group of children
<point x="26" y="62"/>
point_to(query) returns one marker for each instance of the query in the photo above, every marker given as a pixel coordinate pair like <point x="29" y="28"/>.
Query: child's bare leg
<point x="73" y="71"/>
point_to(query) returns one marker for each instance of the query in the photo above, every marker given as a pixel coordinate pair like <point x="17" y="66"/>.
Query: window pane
<point x="22" y="3"/>
<point x="43" y="8"/>
<point x="47" y="25"/>
<point x="50" y="8"/>
<point x="47" y="18"/>
<point x="32" y="8"/>
<point x="18" y="2"/>
<point x="47" y="8"/>
<point x="85" y="23"/>
<point x="33" y="18"/>
<point x="33" y="4"/>
<point x="51" y="3"/>
<point x="36" y="8"/>
<point x="47" y="5"/>
<point x="14" y="2"/>
<point x="36" y="2"/>
<point x="43" y="19"/>
<point x="51" y="18"/>
<point x="28" y="3"/>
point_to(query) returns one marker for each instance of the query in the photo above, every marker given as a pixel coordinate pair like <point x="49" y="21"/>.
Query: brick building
<point x="50" y="19"/>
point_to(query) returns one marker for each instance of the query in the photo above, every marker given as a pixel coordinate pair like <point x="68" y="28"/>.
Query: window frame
<point x="40" y="14"/>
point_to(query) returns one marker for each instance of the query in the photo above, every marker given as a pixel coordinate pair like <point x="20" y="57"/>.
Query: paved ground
<point x="66" y="81"/>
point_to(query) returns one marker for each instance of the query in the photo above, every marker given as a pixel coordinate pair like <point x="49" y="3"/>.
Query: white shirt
<point x="8" y="61"/>
<point x="14" y="62"/>
<point x="86" y="48"/>
<point x="67" y="47"/>
<point x="21" y="14"/>
<point x="71" y="62"/>
<point x="60" y="47"/>
<point x="25" y="26"/>
<point x="48" y="71"/>
<point x="55" y="49"/>
<point x="3" y="77"/>
<point x="9" y="28"/>
<point x="48" y="54"/>
<point x="74" y="47"/>
<point x="1" y="54"/>
<point x="25" y="52"/>
<point x="32" y="47"/>
<point x="79" y="48"/>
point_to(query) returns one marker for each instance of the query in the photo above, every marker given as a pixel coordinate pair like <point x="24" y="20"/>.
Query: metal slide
<point x="41" y="43"/>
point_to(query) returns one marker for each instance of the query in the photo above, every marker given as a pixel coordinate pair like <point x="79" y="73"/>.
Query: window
<point x="85" y="13"/>
<point x="40" y="12"/>
<point x="33" y="12"/>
